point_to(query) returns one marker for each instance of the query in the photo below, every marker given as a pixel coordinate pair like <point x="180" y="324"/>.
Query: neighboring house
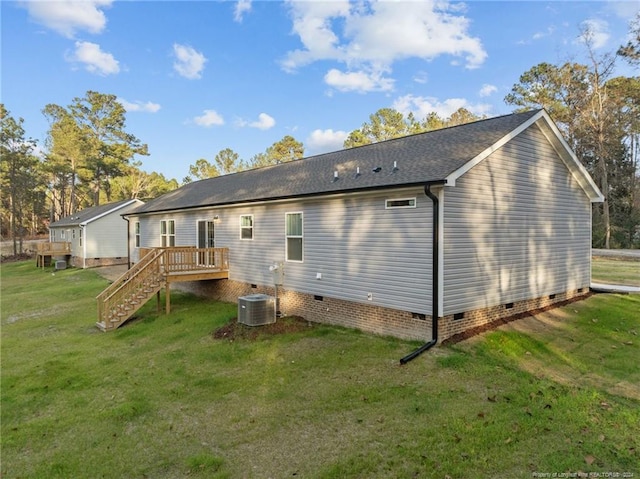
<point x="506" y="200"/>
<point x="98" y="235"/>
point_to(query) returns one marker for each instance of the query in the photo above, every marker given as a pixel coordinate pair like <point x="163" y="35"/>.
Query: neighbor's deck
<point x="48" y="251"/>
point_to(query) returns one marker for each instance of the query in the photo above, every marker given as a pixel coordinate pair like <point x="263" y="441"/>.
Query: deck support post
<point x="158" y="302"/>
<point x="168" y="297"/>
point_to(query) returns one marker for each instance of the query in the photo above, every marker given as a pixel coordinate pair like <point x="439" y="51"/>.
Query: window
<point x="168" y="233"/>
<point x="73" y="234"/>
<point x="136" y="227"/>
<point x="400" y="203"/>
<point x="80" y="235"/>
<point x="246" y="227"/>
<point x="294" y="236"/>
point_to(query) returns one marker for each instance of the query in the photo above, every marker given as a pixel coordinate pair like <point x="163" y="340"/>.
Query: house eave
<point x="280" y="199"/>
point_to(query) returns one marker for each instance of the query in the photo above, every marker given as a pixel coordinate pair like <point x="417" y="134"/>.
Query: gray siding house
<point x="465" y="224"/>
<point x="98" y="235"/>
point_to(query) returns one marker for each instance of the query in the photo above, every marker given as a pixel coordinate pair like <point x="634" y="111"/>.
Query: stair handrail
<point x="148" y="260"/>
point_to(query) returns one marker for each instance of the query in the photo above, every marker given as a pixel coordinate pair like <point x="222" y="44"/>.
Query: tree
<point x="228" y="161"/>
<point x="19" y="177"/>
<point x="598" y="118"/>
<point x="384" y="124"/>
<point x="287" y="149"/>
<point x="139" y="184"/>
<point x="201" y="170"/>
<point x="67" y="152"/>
<point x="631" y="51"/>
<point x="106" y="146"/>
<point x="388" y="123"/>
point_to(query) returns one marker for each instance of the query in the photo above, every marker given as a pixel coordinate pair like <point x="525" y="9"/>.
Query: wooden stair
<point x="131" y="291"/>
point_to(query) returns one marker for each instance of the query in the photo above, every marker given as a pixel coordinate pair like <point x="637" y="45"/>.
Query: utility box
<point x="61" y="264"/>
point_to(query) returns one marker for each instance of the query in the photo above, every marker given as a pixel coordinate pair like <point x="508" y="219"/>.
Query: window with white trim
<point x="246" y="227"/>
<point x="400" y="203"/>
<point x="167" y="233"/>
<point x="294" y="234"/>
<point x="136" y="227"/>
<point x="80" y="235"/>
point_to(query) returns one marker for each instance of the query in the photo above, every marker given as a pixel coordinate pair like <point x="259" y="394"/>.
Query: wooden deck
<point x="48" y="251"/>
<point x="157" y="269"/>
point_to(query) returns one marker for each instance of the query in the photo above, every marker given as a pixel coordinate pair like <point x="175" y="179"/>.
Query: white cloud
<point x="358" y="81"/>
<point x="542" y="34"/>
<point x="264" y="122"/>
<point x="189" y="62"/>
<point x="371" y="36"/>
<point x="209" y="118"/>
<point x="94" y="59"/>
<point x="242" y="7"/>
<point x="488" y="90"/>
<point x="68" y="16"/>
<point x="322" y="141"/>
<point x="594" y="31"/>
<point x="422" y="106"/>
<point x="148" y="107"/>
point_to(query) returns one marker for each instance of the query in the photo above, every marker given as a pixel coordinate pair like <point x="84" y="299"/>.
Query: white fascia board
<point x="451" y="179"/>
<point x="84" y="223"/>
<point x="571" y="161"/>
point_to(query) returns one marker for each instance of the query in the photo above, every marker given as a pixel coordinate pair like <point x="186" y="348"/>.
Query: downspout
<point x="128" y="242"/>
<point x="84" y="245"/>
<point x="434" y="276"/>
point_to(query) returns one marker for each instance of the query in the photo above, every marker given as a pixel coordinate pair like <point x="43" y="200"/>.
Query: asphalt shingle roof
<point x="88" y="214"/>
<point x="420" y="158"/>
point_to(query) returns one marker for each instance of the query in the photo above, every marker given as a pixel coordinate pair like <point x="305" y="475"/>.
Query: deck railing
<point x="179" y="259"/>
<point x="54" y="248"/>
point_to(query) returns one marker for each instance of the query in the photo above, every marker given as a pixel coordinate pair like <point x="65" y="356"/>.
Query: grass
<point x="161" y="398"/>
<point x="616" y="271"/>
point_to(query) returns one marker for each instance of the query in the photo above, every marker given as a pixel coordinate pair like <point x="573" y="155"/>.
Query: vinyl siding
<point x="105" y="237"/>
<point x="357" y="246"/>
<point x="516" y="226"/>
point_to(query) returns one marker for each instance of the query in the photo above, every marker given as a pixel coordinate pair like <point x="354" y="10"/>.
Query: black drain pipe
<point x="434" y="277"/>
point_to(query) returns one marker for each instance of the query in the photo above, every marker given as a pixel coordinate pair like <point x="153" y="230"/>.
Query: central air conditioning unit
<point x="256" y="309"/>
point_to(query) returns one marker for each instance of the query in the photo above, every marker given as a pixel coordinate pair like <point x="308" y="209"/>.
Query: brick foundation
<point x="77" y="262"/>
<point x="449" y="326"/>
<point x="369" y="318"/>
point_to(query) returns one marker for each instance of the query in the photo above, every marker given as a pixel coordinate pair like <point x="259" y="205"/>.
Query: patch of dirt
<point x="234" y="330"/>
<point x="469" y="333"/>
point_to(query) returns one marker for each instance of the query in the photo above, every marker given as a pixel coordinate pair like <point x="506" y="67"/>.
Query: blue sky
<point x="198" y="77"/>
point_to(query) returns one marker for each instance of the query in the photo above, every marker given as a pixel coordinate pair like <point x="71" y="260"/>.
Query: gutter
<point x="434" y="275"/>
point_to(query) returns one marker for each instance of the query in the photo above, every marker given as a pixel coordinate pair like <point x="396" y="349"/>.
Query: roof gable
<point x="430" y="157"/>
<point x="94" y="213"/>
<point x="551" y="132"/>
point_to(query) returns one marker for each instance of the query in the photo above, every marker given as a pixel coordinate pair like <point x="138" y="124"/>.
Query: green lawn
<point x="160" y="398"/>
<point x="615" y="271"/>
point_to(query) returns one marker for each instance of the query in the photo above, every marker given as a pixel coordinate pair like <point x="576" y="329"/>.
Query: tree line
<point x="89" y="158"/>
